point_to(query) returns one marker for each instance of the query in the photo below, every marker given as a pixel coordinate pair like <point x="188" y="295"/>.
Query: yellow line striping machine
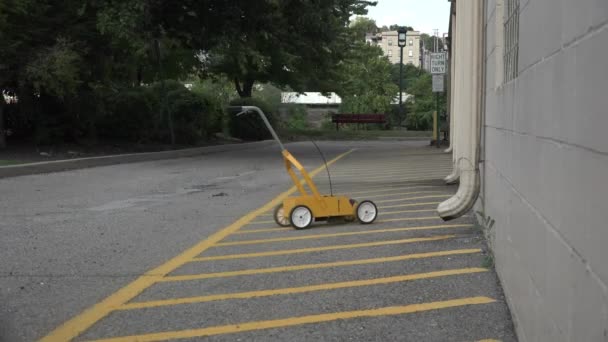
<point x="307" y="208"/>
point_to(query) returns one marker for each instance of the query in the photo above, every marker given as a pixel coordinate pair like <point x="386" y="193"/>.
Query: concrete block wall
<point x="545" y="169"/>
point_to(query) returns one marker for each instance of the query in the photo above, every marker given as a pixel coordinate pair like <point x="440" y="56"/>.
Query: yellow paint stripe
<point x="300" y="320"/>
<point x="260" y="222"/>
<point x="301" y="289"/>
<point x="408" y="211"/>
<point x="413" y="198"/>
<point x="324" y="248"/>
<point x="77" y="325"/>
<point x="407" y="205"/>
<point x="396" y="169"/>
<point x="402" y="193"/>
<point x="383" y="189"/>
<point x="427" y="175"/>
<point x="380" y="170"/>
<point x="331" y="235"/>
<point x="317" y="266"/>
<point x="281" y="229"/>
<point x="262" y="230"/>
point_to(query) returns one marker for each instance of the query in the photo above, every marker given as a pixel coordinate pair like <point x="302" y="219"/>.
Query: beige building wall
<point x="411" y="52"/>
<point x="545" y="165"/>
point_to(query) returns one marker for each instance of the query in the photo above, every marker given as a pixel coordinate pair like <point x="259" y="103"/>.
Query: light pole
<point x="401" y="40"/>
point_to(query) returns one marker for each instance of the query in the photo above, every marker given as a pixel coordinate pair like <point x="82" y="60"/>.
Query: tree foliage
<point x="290" y="43"/>
<point x="366" y="85"/>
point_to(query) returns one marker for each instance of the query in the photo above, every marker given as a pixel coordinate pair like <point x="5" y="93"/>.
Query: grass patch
<point x="9" y="162"/>
<point x="488" y="262"/>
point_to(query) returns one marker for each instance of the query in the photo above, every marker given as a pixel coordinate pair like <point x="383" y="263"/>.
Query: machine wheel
<point x="301" y="217"/>
<point x="367" y="212"/>
<point x="280" y="218"/>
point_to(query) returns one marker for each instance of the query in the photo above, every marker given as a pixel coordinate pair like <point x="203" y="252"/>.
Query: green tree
<point x="361" y="26"/>
<point x="289" y="43"/>
<point x="428" y="42"/>
<point x="366" y="85"/>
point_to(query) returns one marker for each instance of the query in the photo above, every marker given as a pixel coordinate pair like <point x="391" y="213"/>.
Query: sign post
<point x="438" y="69"/>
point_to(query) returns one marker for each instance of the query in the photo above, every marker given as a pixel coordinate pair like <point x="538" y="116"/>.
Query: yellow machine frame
<point x="321" y="206"/>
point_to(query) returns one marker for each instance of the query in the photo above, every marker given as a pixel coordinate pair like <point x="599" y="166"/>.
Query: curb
<point x="82" y="163"/>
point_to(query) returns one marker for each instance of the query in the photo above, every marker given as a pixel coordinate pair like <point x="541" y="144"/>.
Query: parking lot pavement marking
<point x="428" y="176"/>
<point x="291" y="268"/>
<point x="331" y="235"/>
<point x="407" y="205"/>
<point x="321" y="249"/>
<point x="300" y="320"/>
<point x="261" y="222"/>
<point x="282" y="229"/>
<point x="403" y="193"/>
<point x="302" y="289"/>
<point x="83" y="321"/>
<point x="376" y="172"/>
<point x="384" y="190"/>
<point x="407" y="211"/>
<point x="413" y="198"/>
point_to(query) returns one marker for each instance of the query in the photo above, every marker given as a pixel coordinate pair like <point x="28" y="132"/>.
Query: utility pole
<point x="401" y="41"/>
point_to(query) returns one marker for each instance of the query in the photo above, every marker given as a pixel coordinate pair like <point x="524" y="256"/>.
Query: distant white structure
<point x="311" y="98"/>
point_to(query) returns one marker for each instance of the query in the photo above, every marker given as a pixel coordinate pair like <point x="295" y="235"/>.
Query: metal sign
<point x="438" y="63"/>
<point x="438" y="83"/>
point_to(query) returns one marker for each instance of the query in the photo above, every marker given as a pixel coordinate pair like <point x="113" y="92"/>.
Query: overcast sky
<point x="422" y="15"/>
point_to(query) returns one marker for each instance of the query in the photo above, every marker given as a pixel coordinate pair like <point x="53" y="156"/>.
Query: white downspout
<point x="469" y="39"/>
<point x="458" y="91"/>
<point x="452" y="80"/>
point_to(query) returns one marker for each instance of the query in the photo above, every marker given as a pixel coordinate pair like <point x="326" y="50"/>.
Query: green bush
<point x="296" y="117"/>
<point x="251" y="126"/>
<point x="131" y="115"/>
<point x="190" y="122"/>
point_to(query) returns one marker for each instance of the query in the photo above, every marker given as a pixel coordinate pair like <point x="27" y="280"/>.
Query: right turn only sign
<point x="438" y="69"/>
<point x="438" y="63"/>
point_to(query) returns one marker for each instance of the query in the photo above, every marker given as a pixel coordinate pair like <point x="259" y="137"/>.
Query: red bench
<point x="357" y="118"/>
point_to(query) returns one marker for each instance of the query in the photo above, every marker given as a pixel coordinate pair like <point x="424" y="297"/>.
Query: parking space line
<point x="260" y="222"/>
<point x="413" y="198"/>
<point x="407" y="205"/>
<point x="383" y="190"/>
<point x="291" y="268"/>
<point x="300" y="320"/>
<point x="282" y="229"/>
<point x="402" y="193"/>
<point x="390" y="172"/>
<point x="83" y="321"/>
<point x="331" y="235"/>
<point x="407" y="211"/>
<point x="427" y="175"/>
<point x="301" y="289"/>
<point x="324" y="248"/>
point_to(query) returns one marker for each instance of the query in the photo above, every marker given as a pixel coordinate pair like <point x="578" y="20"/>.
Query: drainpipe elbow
<point x="464" y="199"/>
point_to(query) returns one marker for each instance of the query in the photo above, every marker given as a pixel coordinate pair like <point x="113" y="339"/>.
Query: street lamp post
<point x="401" y="40"/>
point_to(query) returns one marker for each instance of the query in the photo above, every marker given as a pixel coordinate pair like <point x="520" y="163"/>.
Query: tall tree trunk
<point x="2" y="130"/>
<point x="246" y="89"/>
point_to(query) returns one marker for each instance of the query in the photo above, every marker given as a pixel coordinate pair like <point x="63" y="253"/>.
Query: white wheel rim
<point x="301" y="217"/>
<point x="281" y="217"/>
<point x="366" y="212"/>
